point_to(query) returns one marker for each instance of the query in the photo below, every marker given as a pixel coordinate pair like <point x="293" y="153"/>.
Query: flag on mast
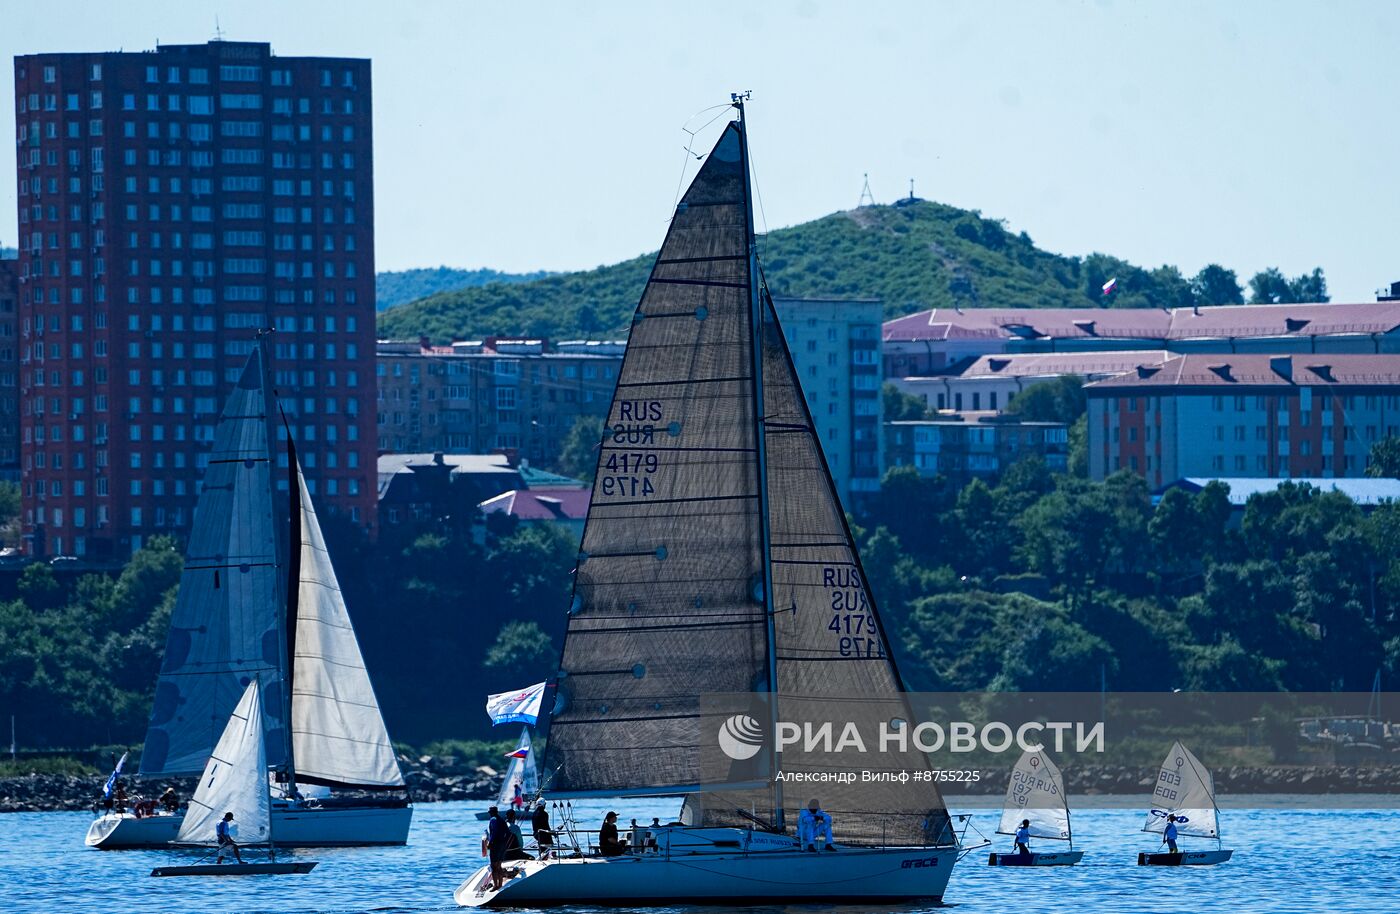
<point x="112" y="778"/>
<point x="1109" y="286"/>
<point x="518" y="707"/>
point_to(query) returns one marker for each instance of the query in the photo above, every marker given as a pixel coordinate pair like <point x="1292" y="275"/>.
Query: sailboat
<point x="1036" y="795"/>
<point x="259" y="598"/>
<point x="235" y="780"/>
<point x="1185" y="791"/>
<point x="716" y="560"/>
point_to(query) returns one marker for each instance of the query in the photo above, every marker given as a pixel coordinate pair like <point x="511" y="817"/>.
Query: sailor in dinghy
<point x="1184" y="805"/>
<point x="1036" y="807"/>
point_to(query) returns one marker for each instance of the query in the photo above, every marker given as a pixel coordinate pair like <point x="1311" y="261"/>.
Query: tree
<point x="1271" y="287"/>
<point x="579" y="455"/>
<point x="521" y="648"/>
<point x="901" y="406"/>
<point x="1384" y="460"/>
<point x="1215" y="285"/>
<point x="1059" y="399"/>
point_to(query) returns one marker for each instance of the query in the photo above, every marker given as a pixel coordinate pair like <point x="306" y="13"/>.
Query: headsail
<point x="1184" y="789"/>
<point x="338" y="734"/>
<point x="224" y="630"/>
<point x="522" y="773"/>
<point x="234" y="780"/>
<point x="1037" y="793"/>
<point x="667" y="590"/>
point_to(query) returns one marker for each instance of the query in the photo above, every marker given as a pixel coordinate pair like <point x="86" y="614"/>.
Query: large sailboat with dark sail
<point x="716" y="563"/>
<point x="259" y="599"/>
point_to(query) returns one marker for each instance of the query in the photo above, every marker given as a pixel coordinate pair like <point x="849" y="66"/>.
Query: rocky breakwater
<point x="429" y="779"/>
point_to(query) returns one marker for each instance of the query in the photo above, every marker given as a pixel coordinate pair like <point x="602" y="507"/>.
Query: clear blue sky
<point x="546" y="135"/>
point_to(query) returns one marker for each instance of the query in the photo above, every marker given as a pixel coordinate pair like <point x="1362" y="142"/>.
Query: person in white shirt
<point x="812" y="824"/>
<point x="1023" y="837"/>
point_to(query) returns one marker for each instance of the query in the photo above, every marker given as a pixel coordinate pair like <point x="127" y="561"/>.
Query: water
<point x="1287" y="859"/>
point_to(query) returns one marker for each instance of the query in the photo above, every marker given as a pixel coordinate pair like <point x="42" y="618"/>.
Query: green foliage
<point x="469" y="754"/>
<point x="9" y="513"/>
<point x="578" y="455"/>
<point x="1271" y="287"/>
<point x="1384" y="460"/>
<point x="522" y="648"/>
<point x="399" y="286"/>
<point x="63" y="765"/>
<point x="900" y="406"/>
<point x="923" y="255"/>
<point x="1059" y="399"/>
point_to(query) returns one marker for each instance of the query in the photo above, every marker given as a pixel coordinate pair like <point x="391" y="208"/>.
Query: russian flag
<point x="522" y="752"/>
<point x="1109" y="286"/>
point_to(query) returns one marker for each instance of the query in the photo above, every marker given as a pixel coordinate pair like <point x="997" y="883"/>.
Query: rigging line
<point x="690" y="154"/>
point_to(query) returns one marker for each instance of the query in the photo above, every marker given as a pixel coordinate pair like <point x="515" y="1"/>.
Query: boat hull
<point x="237" y="869"/>
<point x="1035" y="858"/>
<point x="848" y="876"/>
<point x="1185" y="858"/>
<point x="326" y="826"/>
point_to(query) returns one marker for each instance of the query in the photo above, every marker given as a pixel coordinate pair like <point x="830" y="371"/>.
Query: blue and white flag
<point x="112" y="778"/>
<point x="519" y="707"/>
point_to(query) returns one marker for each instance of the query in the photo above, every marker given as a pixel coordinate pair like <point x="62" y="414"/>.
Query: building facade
<point x="965" y="450"/>
<point x="518" y="396"/>
<point x="9" y="370"/>
<point x="172" y="203"/>
<point x="1287" y="416"/>
<point x="835" y="345"/>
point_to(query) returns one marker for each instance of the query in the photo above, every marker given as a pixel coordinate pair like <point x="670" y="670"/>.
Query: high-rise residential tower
<point x="171" y="204"/>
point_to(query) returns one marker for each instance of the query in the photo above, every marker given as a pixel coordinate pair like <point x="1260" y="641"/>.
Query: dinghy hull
<point x="849" y="876"/>
<point x="324" y="826"/>
<point x="1185" y="858"/>
<point x="1034" y="858"/>
<point x="237" y="869"/>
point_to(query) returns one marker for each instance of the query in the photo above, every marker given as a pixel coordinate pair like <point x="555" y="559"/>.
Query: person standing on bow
<point x="814" y="823"/>
<point x="1023" y="838"/>
<point x="1169" y="834"/>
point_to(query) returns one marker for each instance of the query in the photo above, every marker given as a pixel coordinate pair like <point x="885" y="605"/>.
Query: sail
<point x="224" y="630"/>
<point x="338" y="734"/>
<point x="667" y="592"/>
<point x="829" y="640"/>
<point x="1036" y="793"/>
<point x="234" y="780"/>
<point x="519" y="707"/>
<point x="522" y="773"/>
<point x="1184" y="789"/>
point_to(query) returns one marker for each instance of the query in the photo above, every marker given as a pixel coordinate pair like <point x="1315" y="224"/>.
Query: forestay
<point x="667" y="592"/>
<point x="224" y="629"/>
<point x="338" y="734"/>
<point x="1184" y="789"/>
<point x="1037" y="793"/>
<point x="234" y="780"/>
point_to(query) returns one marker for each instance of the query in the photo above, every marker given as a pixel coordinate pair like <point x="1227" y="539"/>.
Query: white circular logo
<point x="740" y="737"/>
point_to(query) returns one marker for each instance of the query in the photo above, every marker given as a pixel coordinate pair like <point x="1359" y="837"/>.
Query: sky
<point x="549" y="135"/>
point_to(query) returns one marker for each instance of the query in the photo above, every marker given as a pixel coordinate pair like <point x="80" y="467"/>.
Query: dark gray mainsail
<point x="225" y="629"/>
<point x="669" y="601"/>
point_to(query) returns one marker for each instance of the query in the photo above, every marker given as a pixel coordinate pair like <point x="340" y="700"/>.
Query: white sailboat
<point x="1185" y="793"/>
<point x="235" y="781"/>
<point x="1036" y="797"/>
<point x="522" y="781"/>
<point x="259" y="598"/>
<point x="716" y="560"/>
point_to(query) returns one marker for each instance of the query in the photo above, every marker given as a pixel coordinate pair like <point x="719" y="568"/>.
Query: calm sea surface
<point x="1287" y="859"/>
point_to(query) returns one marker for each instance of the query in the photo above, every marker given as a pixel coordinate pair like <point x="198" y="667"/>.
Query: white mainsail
<point x="522" y="773"/>
<point x="234" y="780"/>
<point x="1184" y="789"/>
<point x="338" y="733"/>
<point x="1037" y="793"/>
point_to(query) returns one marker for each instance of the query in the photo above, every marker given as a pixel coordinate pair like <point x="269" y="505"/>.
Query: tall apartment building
<point x="516" y="395"/>
<point x="835" y="346"/>
<point x="9" y="370"/>
<point x="1289" y="416"/>
<point x="171" y="203"/>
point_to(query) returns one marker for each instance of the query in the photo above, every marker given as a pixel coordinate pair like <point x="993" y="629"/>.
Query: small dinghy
<point x="235" y="783"/>
<point x="1036" y="797"/>
<point x="1184" y="797"/>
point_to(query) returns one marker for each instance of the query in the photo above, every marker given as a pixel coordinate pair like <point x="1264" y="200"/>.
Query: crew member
<point x="1023" y="838"/>
<point x="608" y="843"/>
<point x="224" y="833"/>
<point x="544" y="835"/>
<point x="814" y="823"/>
<point x="1169" y="834"/>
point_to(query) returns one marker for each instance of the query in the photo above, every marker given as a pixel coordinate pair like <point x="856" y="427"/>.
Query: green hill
<point x="913" y="255"/>
<point x="394" y="287"/>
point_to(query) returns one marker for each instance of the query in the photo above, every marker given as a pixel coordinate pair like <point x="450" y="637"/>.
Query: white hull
<point x="1185" y="858"/>
<point x="337" y="826"/>
<point x="850" y="875"/>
